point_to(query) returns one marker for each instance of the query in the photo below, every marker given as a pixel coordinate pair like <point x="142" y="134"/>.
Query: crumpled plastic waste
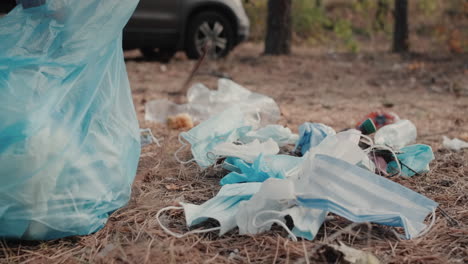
<point x="203" y="103"/>
<point x="354" y="193"/>
<point x="228" y="126"/>
<point x="248" y="152"/>
<point x="414" y="159"/>
<point x="311" y="134"/>
<point x="280" y="134"/>
<point x="355" y="256"/>
<point x="69" y="136"/>
<point x="147" y="138"/>
<point x="454" y="144"/>
<point x="396" y="135"/>
<point x="336" y="174"/>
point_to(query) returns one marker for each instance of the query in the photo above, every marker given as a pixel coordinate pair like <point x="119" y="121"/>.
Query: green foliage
<point x="343" y="24"/>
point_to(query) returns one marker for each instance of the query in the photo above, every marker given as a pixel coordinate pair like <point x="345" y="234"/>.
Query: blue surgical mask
<point x="311" y="134"/>
<point x="306" y="221"/>
<point x="263" y="168"/>
<point x="222" y="208"/>
<point x="270" y="205"/>
<point x="228" y="126"/>
<point x="354" y="193"/>
<point x="413" y="159"/>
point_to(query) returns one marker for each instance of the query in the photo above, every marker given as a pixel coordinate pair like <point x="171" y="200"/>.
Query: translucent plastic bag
<point x="69" y="137"/>
<point x="204" y="103"/>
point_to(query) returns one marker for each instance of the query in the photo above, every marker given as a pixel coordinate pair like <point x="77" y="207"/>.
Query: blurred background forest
<point x="367" y="25"/>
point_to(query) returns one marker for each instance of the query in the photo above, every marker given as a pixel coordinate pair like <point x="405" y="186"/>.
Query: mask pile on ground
<point x="327" y="172"/>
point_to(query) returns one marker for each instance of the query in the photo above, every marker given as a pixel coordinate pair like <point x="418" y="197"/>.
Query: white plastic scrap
<point x="355" y="256"/>
<point x="204" y="103"/>
<point x="454" y="144"/>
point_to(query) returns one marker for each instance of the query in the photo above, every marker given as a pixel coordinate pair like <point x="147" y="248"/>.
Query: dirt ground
<point x="312" y="85"/>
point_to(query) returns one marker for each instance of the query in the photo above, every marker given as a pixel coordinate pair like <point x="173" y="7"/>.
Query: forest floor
<point x="312" y="85"/>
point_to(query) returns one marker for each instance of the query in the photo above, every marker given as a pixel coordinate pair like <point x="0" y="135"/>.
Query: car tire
<point x="220" y="28"/>
<point x="161" y="55"/>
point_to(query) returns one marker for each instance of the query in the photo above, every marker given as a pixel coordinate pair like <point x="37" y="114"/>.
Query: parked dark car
<point x="162" y="27"/>
<point x="159" y="28"/>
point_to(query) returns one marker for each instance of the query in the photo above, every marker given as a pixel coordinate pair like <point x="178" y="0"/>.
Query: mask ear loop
<point x="180" y="149"/>
<point x="273" y="221"/>
<point x="429" y="227"/>
<point x="178" y="235"/>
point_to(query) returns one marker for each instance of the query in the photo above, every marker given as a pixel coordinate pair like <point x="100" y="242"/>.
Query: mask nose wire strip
<point x="273" y="221"/>
<point x="178" y="235"/>
<point x="180" y="149"/>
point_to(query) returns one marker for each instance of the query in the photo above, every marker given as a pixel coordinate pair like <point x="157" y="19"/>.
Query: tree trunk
<point x="279" y="27"/>
<point x="400" y="33"/>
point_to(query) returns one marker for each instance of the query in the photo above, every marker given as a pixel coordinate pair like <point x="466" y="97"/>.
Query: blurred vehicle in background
<point x="160" y="28"/>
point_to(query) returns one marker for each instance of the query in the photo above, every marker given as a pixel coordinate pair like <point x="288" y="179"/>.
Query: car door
<point x="156" y="16"/>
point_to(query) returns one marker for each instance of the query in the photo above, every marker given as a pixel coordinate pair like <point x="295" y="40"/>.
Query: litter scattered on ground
<point x="147" y="138"/>
<point x="204" y="103"/>
<point x="454" y="144"/>
<point x="343" y="173"/>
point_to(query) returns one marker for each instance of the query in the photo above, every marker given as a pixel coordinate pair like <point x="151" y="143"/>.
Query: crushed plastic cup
<point x="397" y="135"/>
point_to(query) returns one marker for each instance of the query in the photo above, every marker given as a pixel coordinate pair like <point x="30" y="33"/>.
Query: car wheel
<point x="161" y="55"/>
<point x="209" y="30"/>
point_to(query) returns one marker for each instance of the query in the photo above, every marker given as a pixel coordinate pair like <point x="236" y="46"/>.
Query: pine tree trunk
<point x="279" y="27"/>
<point x="400" y="33"/>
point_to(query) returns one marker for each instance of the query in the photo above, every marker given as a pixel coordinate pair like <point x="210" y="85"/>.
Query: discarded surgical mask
<point x="280" y="134"/>
<point x="147" y="138"/>
<point x="263" y="168"/>
<point x="307" y="221"/>
<point x="69" y="136"/>
<point x="343" y="145"/>
<point x="396" y="135"/>
<point x="204" y="103"/>
<point x="413" y="159"/>
<point x="227" y="126"/>
<point x="222" y="208"/>
<point x="260" y="212"/>
<point x="311" y="134"/>
<point x="248" y="152"/>
<point x="270" y="205"/>
<point x="454" y="144"/>
<point x="333" y="185"/>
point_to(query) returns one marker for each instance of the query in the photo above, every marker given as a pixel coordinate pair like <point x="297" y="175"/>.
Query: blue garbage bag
<point x="69" y="137"/>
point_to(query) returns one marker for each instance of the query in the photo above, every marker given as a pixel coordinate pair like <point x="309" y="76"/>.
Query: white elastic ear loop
<point x="273" y="221"/>
<point x="428" y="228"/>
<point x="178" y="235"/>
<point x="180" y="149"/>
